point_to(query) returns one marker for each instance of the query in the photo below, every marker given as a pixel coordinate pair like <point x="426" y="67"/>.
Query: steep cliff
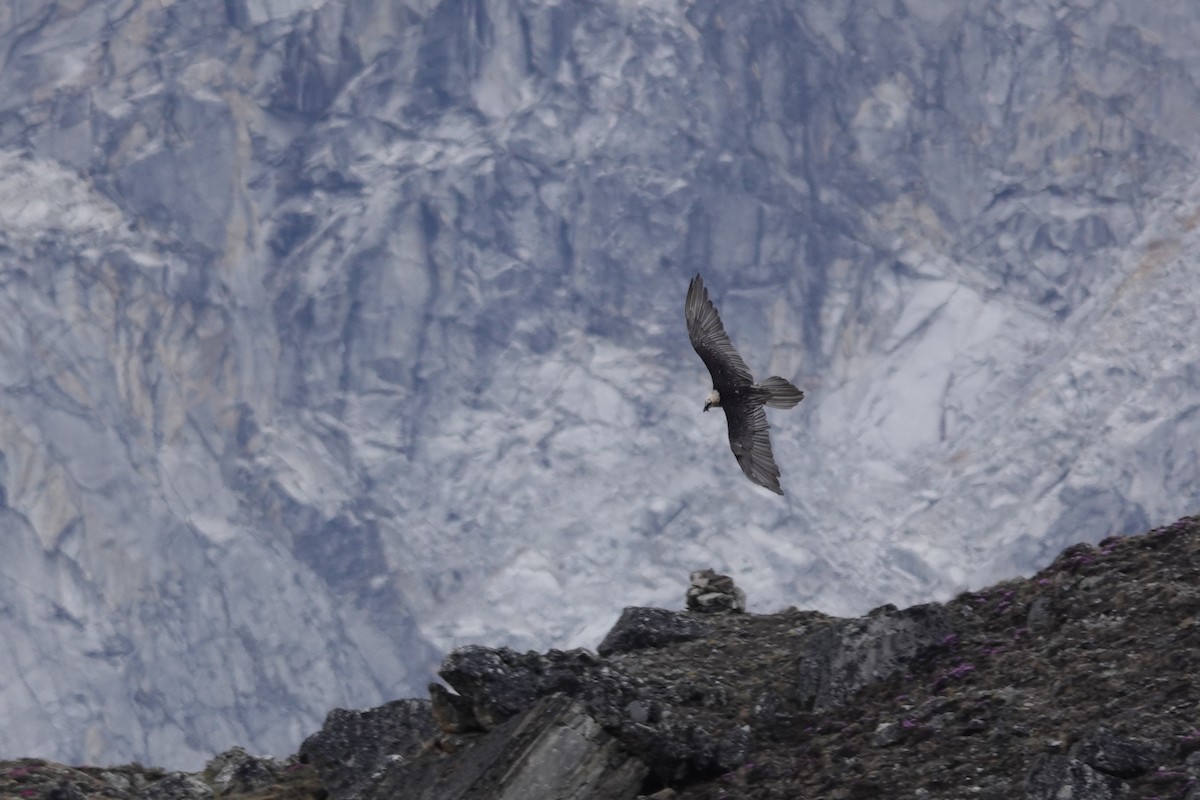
<point x="337" y="334"/>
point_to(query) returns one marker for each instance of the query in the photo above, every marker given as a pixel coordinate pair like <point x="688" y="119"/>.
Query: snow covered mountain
<point x="336" y="334"/>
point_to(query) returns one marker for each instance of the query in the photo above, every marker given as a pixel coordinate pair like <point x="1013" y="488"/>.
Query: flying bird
<point x="735" y="390"/>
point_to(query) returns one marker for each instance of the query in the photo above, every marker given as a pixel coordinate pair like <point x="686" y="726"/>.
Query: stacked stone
<point x="710" y="593"/>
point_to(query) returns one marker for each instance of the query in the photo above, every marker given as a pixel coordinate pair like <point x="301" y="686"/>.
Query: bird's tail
<point x="779" y="393"/>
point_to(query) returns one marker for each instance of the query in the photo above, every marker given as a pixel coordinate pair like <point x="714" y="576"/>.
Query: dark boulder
<point x="555" y="749"/>
<point x="1054" y="777"/>
<point x="353" y="745"/>
<point x="500" y="683"/>
<point x="1114" y="755"/>
<point x="848" y="655"/>
<point x="639" y="628"/>
<point x="178" y="786"/>
<point x="236" y="771"/>
<point x="452" y="712"/>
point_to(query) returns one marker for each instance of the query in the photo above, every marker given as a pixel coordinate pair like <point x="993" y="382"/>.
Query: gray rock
<point x="501" y="683"/>
<point x="237" y="771"/>
<point x="687" y="748"/>
<point x="887" y="734"/>
<point x="1114" y="755"/>
<point x="1057" y="777"/>
<point x="710" y="593"/>
<point x="353" y="745"/>
<point x="555" y="749"/>
<point x="452" y="712"/>
<point x="1040" y="618"/>
<point x="639" y="628"/>
<point x="694" y="737"/>
<point x="847" y="655"/>
<point x="638" y="712"/>
<point x="178" y="786"/>
<point x="64" y="791"/>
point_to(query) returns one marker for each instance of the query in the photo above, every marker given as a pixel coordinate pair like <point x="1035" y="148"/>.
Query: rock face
<point x="500" y="683"/>
<point x="1055" y="777"/>
<point x="650" y="627"/>
<point x="933" y="701"/>
<point x="339" y="333"/>
<point x="843" y="658"/>
<point x="354" y="746"/>
<point x="237" y="772"/>
<point x="1115" y="755"/>
<point x="555" y="749"/>
<point x="232" y="774"/>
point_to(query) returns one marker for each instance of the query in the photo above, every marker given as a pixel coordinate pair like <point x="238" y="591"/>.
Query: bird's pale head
<point x="713" y="400"/>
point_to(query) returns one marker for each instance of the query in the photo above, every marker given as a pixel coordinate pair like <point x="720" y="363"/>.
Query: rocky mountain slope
<point x="337" y="333"/>
<point x="1075" y="682"/>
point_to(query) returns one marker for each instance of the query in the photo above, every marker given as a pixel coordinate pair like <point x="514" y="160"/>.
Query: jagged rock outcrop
<point x="934" y="702"/>
<point x="353" y="747"/>
<point x="1055" y="777"/>
<point x="844" y="657"/>
<point x="232" y="774"/>
<point x="237" y="772"/>
<point x="1119" y="756"/>
<point x="650" y="627"/>
<point x="553" y="749"/>
<point x="500" y="683"/>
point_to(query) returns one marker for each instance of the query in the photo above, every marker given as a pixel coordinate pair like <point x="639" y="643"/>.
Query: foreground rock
<point x="1078" y="682"/>
<point x="555" y="749"/>
<point x="848" y="655"/>
<point x="234" y="774"/>
<point x="353" y="747"/>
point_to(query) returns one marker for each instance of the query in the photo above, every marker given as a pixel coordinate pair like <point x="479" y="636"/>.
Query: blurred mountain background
<point x="337" y="334"/>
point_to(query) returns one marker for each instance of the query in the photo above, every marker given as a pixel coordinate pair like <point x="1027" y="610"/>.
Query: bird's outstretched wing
<point x="752" y="444"/>
<point x="712" y="343"/>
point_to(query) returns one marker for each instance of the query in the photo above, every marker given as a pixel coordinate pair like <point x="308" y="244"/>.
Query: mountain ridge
<point x="1076" y="679"/>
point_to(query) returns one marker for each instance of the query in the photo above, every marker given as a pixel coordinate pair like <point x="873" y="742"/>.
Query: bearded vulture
<point x="735" y="390"/>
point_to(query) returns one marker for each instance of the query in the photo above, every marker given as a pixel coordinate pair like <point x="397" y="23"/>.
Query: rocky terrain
<point x="1078" y="681"/>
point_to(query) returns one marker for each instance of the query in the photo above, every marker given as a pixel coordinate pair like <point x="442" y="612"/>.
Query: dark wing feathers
<point x="752" y="444"/>
<point x="744" y="414"/>
<point x="712" y="343"/>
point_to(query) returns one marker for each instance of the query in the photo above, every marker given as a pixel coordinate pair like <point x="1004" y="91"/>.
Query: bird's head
<point x="713" y="400"/>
